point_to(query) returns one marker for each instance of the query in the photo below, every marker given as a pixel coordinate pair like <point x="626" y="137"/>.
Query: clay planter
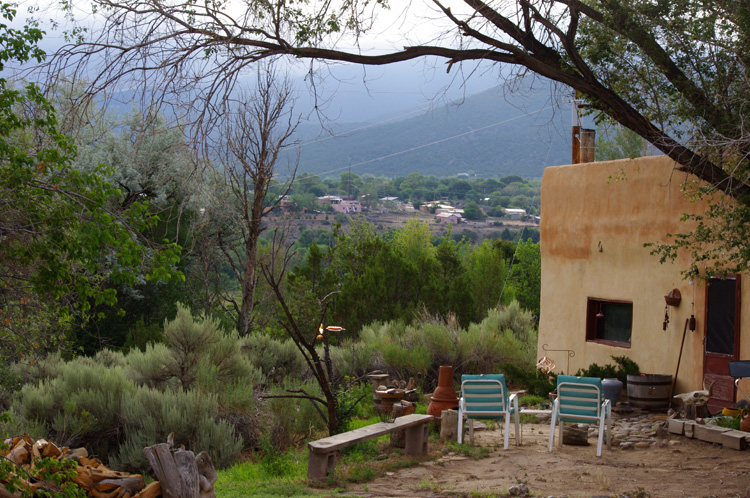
<point x="444" y="397"/>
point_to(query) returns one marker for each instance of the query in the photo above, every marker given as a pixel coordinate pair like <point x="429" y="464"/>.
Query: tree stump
<point x="449" y="425"/>
<point x="181" y="473"/>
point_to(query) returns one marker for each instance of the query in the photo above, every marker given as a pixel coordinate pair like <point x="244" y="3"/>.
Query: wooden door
<point x="722" y="339"/>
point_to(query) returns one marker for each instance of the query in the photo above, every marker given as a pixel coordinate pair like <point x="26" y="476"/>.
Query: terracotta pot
<point x="745" y="420"/>
<point x="444" y="397"/>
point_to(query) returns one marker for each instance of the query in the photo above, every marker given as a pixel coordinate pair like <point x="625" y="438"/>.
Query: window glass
<point x="609" y="321"/>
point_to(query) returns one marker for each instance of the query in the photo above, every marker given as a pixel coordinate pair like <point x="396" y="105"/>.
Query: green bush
<point x="623" y="367"/>
<point x="292" y="419"/>
<point x="355" y="358"/>
<point x="191" y="346"/>
<point x="276" y="359"/>
<point x="79" y="407"/>
<point x="150" y="416"/>
<point x="505" y="337"/>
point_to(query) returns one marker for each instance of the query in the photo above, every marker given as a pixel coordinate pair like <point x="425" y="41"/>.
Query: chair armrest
<point x="513" y="401"/>
<point x="607" y="406"/>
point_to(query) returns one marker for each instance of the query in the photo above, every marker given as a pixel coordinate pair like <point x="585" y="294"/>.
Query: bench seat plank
<point x="350" y="438"/>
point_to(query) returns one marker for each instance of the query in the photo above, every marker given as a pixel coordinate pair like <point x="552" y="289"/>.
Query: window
<point x="609" y="322"/>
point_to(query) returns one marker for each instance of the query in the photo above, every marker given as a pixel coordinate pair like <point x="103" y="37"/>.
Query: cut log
<point x="130" y="485"/>
<point x="449" y="425"/>
<point x="153" y="490"/>
<point x="575" y="435"/>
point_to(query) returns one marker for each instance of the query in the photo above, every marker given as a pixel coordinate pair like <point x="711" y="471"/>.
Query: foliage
<point x="292" y="419"/>
<point x="617" y="142"/>
<point x="276" y="359"/>
<point x="472" y="211"/>
<point x="526" y="276"/>
<point x="623" y="367"/>
<point x="192" y="346"/>
<point x="532" y="400"/>
<point x="505" y="338"/>
<point x="65" y="244"/>
<point x="151" y="415"/>
<point x="97" y="406"/>
<point x="728" y="422"/>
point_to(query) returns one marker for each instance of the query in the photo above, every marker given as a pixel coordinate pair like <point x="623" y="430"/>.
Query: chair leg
<point x="519" y="432"/>
<point x="507" y="430"/>
<point x="552" y="429"/>
<point x="560" y="434"/>
<point x="460" y="427"/>
<point x="600" y="439"/>
<point x="471" y="431"/>
<point x="609" y="433"/>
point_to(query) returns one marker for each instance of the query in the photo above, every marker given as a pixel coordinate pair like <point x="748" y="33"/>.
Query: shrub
<point x="80" y="407"/>
<point x="506" y="337"/>
<point x="276" y="359"/>
<point x="150" y="416"/>
<point x="354" y="358"/>
<point x="292" y="418"/>
<point x="191" y="346"/>
<point x="620" y="370"/>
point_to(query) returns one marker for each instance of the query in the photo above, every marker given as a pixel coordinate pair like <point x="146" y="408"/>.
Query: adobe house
<point x="603" y="293"/>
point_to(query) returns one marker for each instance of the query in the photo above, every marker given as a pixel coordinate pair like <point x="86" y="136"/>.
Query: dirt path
<point x="682" y="468"/>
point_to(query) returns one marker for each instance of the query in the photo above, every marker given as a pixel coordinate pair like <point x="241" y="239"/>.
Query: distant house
<point x="449" y="217"/>
<point x="514" y="214"/>
<point x="340" y="205"/>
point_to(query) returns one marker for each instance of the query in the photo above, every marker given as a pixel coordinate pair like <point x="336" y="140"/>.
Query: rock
<point x="643" y="444"/>
<point x="658" y="444"/>
<point x="627" y="445"/>
<point x="519" y="490"/>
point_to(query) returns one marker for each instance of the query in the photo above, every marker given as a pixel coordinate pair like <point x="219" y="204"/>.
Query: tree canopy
<point x="674" y="72"/>
<point x="65" y="243"/>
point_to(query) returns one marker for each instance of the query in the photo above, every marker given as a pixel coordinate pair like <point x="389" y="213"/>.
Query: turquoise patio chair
<point x="485" y="397"/>
<point x="579" y="401"/>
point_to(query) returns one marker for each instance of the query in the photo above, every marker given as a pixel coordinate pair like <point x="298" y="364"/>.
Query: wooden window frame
<point x="592" y="308"/>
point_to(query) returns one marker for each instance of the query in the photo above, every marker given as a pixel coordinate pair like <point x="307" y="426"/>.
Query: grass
<point x="285" y="474"/>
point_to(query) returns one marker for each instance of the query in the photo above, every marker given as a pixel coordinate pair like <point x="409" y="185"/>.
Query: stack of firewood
<point x="179" y="471"/>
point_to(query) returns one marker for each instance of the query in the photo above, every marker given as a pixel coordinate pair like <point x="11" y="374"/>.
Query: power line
<point x="412" y="149"/>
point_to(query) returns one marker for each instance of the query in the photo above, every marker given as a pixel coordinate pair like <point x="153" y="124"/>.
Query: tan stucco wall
<point x="622" y="205"/>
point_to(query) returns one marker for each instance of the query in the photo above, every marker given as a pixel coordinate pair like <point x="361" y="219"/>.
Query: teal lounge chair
<point x="579" y="401"/>
<point x="485" y="397"/>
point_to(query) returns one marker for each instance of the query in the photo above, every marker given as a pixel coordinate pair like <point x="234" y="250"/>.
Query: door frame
<point x="717" y="364"/>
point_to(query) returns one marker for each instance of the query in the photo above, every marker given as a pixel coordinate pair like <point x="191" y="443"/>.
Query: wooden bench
<point x="322" y="458"/>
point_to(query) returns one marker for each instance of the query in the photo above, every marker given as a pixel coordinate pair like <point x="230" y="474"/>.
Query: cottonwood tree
<point x="674" y="72"/>
<point x="254" y="133"/>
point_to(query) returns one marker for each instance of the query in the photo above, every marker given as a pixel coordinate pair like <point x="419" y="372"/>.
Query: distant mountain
<point x="489" y="134"/>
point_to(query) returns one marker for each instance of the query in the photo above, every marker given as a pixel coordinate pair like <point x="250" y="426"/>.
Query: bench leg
<point x="319" y="465"/>
<point x="416" y="439"/>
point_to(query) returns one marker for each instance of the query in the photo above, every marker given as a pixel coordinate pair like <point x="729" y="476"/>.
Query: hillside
<point x="488" y="134"/>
